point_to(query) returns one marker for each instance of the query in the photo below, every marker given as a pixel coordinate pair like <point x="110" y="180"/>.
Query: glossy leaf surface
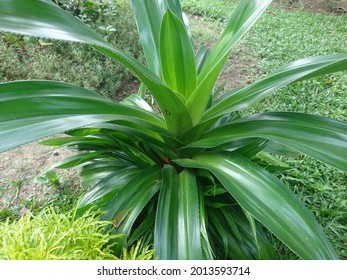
<point x="44" y="19"/>
<point x="319" y="137"/>
<point x="124" y="208"/>
<point x="295" y="71"/>
<point x="149" y="16"/>
<point x="39" y="109"/>
<point x="177" y="56"/>
<point x="269" y="201"/>
<point x="177" y="230"/>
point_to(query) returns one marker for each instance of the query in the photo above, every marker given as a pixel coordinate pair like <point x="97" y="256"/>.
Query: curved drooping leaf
<point x="44" y="19"/>
<point x="149" y="16"/>
<point x="295" y="71"/>
<point x="245" y="15"/>
<point x="107" y="188"/>
<point x="124" y="208"/>
<point x="177" y="57"/>
<point x="269" y="201"/>
<point x="94" y="171"/>
<point x="78" y="159"/>
<point x="177" y="226"/>
<point x="319" y="137"/>
<point x="40" y="108"/>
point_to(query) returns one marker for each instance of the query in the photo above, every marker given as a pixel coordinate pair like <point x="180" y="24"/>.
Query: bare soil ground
<point x="320" y="6"/>
<point x="19" y="167"/>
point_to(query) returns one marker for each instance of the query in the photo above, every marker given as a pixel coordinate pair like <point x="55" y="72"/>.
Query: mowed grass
<point x="279" y="37"/>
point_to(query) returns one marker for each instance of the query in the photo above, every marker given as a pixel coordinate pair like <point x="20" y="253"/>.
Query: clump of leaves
<point x="51" y="236"/>
<point x="89" y="10"/>
<point x="191" y="175"/>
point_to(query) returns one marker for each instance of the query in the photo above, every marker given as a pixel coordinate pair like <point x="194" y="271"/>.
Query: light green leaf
<point x="269" y="201"/>
<point x="137" y="101"/>
<point x="319" y="137"/>
<point x="177" y="57"/>
<point x="149" y="16"/>
<point x="201" y="57"/>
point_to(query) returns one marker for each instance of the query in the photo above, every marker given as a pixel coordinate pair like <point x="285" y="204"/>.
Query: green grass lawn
<point x="278" y="38"/>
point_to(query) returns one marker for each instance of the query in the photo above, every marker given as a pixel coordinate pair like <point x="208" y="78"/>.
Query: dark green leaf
<point x="269" y="201"/>
<point x="124" y="208"/>
<point x="39" y="108"/>
<point x="44" y="19"/>
<point x="177" y="226"/>
<point x="323" y="138"/>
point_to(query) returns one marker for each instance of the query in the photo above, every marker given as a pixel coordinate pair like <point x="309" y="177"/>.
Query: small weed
<point x="50" y="177"/>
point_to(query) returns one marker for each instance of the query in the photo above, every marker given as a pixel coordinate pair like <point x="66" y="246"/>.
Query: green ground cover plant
<point x="192" y="174"/>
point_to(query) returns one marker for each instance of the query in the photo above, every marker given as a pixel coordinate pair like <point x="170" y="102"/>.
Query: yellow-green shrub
<point x="52" y="236"/>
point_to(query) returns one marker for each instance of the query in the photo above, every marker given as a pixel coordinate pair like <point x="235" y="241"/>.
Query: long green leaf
<point x="245" y="15"/>
<point x="188" y="217"/>
<point x="149" y="16"/>
<point x="177" y="226"/>
<point x="319" y="137"/>
<point x="269" y="201"/>
<point x="39" y="108"/>
<point x="295" y="71"/>
<point x="44" y="19"/>
<point x="166" y="224"/>
<point x="177" y="57"/>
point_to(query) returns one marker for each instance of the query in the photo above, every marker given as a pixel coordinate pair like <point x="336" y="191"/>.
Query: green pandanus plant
<point x="189" y="175"/>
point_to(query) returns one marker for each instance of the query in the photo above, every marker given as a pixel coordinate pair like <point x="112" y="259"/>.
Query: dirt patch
<point x="19" y="167"/>
<point x="319" y="6"/>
